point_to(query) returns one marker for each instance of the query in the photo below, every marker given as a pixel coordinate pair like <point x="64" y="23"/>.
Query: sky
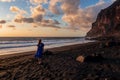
<point x="48" y="18"/>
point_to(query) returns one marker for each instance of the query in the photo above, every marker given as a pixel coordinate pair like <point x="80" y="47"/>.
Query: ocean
<point x="15" y="45"/>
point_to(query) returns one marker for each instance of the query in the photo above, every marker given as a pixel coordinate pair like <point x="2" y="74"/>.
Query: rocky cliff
<point x="107" y="22"/>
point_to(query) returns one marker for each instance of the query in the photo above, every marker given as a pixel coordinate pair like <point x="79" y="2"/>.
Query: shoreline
<point x="33" y="52"/>
<point x="20" y="45"/>
<point x="34" y="48"/>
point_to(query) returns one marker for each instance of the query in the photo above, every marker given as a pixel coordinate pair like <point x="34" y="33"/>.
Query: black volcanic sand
<point x="62" y="64"/>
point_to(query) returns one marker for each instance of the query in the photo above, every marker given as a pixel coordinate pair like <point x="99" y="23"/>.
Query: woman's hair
<point x="39" y="41"/>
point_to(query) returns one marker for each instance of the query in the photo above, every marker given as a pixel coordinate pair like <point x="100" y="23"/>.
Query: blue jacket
<point x="39" y="50"/>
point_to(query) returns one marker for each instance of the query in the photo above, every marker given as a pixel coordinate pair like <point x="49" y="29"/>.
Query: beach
<point x="62" y="64"/>
<point x="60" y="40"/>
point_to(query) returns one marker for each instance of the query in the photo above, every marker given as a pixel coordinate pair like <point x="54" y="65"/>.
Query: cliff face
<point x="107" y="22"/>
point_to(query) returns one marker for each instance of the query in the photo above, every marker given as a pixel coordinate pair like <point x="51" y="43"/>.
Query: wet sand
<point x="62" y="64"/>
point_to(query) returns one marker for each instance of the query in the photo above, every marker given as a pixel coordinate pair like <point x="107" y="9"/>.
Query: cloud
<point x="38" y="1"/>
<point x="74" y="16"/>
<point x="50" y="21"/>
<point x="38" y="12"/>
<point x="70" y="11"/>
<point x="26" y="20"/>
<point x="82" y="18"/>
<point x="70" y="6"/>
<point x="54" y="7"/>
<point x="36" y="18"/>
<point x="17" y="10"/>
<point x="6" y="0"/>
<point x="113" y="0"/>
<point x="47" y="23"/>
<point x="2" y="21"/>
<point x="67" y="6"/>
<point x="14" y="9"/>
<point x="19" y="17"/>
<point x="11" y="26"/>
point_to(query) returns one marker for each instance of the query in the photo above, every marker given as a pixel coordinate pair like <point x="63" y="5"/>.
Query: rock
<point x="95" y="58"/>
<point x="80" y="59"/>
<point x="107" y="23"/>
<point x="2" y="74"/>
<point x="47" y="53"/>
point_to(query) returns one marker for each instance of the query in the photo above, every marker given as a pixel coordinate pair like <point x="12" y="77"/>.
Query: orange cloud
<point x="17" y="10"/>
<point x="14" y="9"/>
<point x="11" y="26"/>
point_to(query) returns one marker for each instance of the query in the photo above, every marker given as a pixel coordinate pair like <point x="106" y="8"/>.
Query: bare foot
<point x="39" y="62"/>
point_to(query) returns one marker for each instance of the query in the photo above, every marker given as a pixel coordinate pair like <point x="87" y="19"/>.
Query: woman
<point x="39" y="52"/>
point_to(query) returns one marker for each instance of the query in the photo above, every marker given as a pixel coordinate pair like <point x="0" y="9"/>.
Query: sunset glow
<point x="48" y="18"/>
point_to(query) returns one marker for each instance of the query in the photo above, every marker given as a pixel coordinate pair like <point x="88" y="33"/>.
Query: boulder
<point x="94" y="58"/>
<point x="80" y="59"/>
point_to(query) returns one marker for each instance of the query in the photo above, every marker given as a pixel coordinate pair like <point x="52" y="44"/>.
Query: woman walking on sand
<point x="39" y="52"/>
